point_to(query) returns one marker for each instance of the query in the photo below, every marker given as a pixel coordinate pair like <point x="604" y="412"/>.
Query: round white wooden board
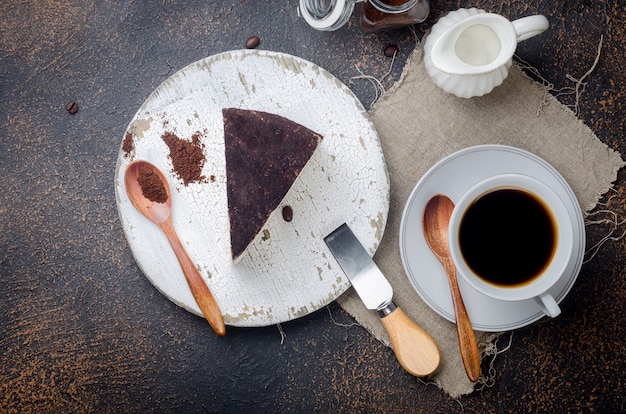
<point x="288" y="272"/>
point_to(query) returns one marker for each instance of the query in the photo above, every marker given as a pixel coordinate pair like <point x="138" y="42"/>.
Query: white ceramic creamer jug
<point x="469" y="51"/>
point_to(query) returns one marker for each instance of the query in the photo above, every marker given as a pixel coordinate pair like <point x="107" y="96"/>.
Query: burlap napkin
<point x="419" y="124"/>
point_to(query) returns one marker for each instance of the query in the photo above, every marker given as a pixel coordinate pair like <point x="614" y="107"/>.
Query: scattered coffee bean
<point x="252" y="42"/>
<point x="287" y="213"/>
<point x="71" y="107"/>
<point x="391" y="50"/>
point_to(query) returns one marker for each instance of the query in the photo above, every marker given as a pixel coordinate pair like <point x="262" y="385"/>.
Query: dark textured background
<point x="82" y="330"/>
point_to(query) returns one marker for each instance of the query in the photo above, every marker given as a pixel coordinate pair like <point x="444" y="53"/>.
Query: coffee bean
<point x="71" y="107"/>
<point x="287" y="213"/>
<point x="391" y="50"/>
<point x="252" y="42"/>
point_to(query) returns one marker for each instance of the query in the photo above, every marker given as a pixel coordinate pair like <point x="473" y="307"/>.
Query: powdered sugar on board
<point x="288" y="271"/>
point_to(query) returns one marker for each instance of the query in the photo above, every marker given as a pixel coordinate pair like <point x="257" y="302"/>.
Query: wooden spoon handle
<point x="464" y="330"/>
<point x="415" y="349"/>
<point x="199" y="289"/>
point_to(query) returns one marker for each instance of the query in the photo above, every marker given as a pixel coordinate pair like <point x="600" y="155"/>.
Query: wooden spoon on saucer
<point x="435" y="223"/>
<point x="148" y="190"/>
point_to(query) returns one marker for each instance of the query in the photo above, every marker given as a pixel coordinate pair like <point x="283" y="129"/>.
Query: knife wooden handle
<point x="415" y="349"/>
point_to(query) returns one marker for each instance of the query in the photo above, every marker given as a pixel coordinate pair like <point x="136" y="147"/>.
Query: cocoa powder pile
<point x="187" y="156"/>
<point x="128" y="145"/>
<point x="151" y="185"/>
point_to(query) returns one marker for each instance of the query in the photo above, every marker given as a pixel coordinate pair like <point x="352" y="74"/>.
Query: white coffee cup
<point x="503" y="227"/>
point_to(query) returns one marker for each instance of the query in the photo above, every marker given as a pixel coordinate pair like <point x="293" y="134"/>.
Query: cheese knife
<point x="415" y="349"/>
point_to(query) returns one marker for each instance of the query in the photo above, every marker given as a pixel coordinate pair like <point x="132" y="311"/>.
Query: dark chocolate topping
<point x="265" y="153"/>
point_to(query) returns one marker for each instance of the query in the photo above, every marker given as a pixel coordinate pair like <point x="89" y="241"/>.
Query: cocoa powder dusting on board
<point x="151" y="185"/>
<point x="128" y="145"/>
<point x="187" y="156"/>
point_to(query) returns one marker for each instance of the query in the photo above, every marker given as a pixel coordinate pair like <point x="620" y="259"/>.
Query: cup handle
<point x="548" y="305"/>
<point x="530" y="26"/>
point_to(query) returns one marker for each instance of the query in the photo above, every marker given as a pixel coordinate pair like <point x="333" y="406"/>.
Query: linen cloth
<point x="418" y="125"/>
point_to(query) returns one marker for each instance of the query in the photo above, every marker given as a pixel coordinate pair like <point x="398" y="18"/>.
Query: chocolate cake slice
<point x="265" y="154"/>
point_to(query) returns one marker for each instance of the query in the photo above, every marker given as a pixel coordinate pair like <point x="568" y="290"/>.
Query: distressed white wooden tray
<point x="290" y="273"/>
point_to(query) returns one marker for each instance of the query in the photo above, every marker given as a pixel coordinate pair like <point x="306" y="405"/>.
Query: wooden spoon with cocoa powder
<point x="148" y="190"/>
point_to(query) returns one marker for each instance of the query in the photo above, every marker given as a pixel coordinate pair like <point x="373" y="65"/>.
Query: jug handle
<point x="530" y="26"/>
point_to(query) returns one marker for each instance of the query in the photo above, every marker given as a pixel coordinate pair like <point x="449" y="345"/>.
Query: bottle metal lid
<point x="387" y="8"/>
<point x="326" y="15"/>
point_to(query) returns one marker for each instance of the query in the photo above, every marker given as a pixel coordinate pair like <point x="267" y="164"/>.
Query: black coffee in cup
<point x="508" y="237"/>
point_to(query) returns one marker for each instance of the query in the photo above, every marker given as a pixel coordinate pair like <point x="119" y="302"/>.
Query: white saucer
<point x="452" y="176"/>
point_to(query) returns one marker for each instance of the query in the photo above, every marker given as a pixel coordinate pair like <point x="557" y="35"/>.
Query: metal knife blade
<point x="368" y="281"/>
<point x="415" y="349"/>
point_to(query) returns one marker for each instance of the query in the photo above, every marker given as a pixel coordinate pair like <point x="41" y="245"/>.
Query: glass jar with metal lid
<point x="373" y="15"/>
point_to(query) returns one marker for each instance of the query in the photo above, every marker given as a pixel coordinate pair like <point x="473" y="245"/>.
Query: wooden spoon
<point x="435" y="223"/>
<point x="157" y="207"/>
